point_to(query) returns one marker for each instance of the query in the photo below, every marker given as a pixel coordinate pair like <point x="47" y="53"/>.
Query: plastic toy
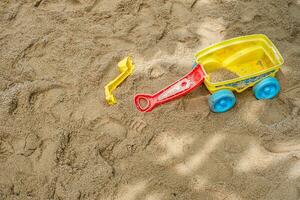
<point x="146" y="102"/>
<point x="254" y="60"/>
<point x="126" y="68"/>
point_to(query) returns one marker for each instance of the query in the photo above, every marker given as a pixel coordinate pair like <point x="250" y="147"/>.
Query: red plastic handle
<point x="147" y="102"/>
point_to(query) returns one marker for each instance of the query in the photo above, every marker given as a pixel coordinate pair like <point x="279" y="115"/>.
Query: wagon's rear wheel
<point x="221" y="101"/>
<point x="194" y="64"/>
<point x="268" y="88"/>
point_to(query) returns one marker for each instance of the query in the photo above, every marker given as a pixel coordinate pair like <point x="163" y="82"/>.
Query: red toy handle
<point x="147" y="102"/>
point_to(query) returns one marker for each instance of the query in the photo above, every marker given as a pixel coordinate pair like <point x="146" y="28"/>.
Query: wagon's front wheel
<point x="268" y="88"/>
<point x="221" y="101"/>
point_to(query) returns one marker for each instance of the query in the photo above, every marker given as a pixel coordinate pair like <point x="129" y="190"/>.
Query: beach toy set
<point x="239" y="63"/>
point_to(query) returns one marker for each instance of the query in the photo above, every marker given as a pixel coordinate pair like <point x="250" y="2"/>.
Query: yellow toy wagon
<point x="240" y="63"/>
<point x="231" y="65"/>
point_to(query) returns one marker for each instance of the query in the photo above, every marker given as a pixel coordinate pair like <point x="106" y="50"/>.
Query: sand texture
<point x="60" y="140"/>
<point x="222" y="75"/>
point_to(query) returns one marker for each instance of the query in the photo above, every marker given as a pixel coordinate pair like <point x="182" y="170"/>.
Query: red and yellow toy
<point x="181" y="87"/>
<point x="253" y="59"/>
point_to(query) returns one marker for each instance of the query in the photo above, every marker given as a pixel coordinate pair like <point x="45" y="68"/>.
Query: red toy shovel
<point x="147" y="102"/>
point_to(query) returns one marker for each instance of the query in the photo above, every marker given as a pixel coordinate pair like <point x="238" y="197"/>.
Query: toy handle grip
<point x="146" y="102"/>
<point x="144" y="98"/>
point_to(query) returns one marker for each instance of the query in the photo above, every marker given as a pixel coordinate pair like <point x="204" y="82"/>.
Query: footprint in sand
<point x="108" y="132"/>
<point x="25" y="145"/>
<point x="23" y="96"/>
<point x="135" y="124"/>
<point x="47" y="157"/>
<point x="156" y="70"/>
<point x="285" y="146"/>
<point x="110" y="127"/>
<point x="5" y="149"/>
<point x="31" y="144"/>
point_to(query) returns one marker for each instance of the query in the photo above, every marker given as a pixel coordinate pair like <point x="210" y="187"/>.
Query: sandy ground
<point x="60" y="140"/>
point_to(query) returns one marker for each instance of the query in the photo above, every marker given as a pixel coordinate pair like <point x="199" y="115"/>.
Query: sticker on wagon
<point x="178" y="87"/>
<point x="244" y="83"/>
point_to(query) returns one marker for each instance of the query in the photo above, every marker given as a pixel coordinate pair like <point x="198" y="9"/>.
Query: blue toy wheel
<point x="221" y="101"/>
<point x="194" y="65"/>
<point x="268" y="88"/>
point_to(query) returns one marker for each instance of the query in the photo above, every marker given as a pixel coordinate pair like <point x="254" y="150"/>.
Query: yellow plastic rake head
<point x="126" y="68"/>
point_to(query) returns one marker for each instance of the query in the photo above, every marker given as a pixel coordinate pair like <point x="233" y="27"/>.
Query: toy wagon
<point x="249" y="60"/>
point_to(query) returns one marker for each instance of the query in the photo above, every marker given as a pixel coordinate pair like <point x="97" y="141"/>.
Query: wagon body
<point x="252" y="58"/>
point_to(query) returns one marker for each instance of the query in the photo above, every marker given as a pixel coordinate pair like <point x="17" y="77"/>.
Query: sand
<point x="222" y="75"/>
<point x="60" y="140"/>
